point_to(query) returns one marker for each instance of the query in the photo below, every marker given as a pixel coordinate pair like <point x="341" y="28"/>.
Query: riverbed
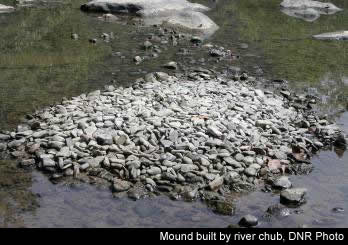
<point x="41" y="64"/>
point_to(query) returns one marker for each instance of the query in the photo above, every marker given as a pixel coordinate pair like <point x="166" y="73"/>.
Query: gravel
<point x="171" y="131"/>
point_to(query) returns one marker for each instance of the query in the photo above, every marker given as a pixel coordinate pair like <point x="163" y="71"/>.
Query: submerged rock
<point x="179" y="12"/>
<point x="5" y="9"/>
<point x="248" y="221"/>
<point x="307" y="10"/>
<point x="295" y="196"/>
<point x="278" y="210"/>
<point x="282" y="183"/>
<point x="338" y="35"/>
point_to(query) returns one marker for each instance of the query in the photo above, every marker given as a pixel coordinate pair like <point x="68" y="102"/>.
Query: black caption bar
<point x="165" y="235"/>
<point x="229" y="236"/>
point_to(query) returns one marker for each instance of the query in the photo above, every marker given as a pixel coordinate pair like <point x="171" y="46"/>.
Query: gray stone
<point x="40" y="134"/>
<point x="188" y="167"/>
<point x="248" y="221"/>
<point x="104" y="139"/>
<point x="16" y="143"/>
<point x="250" y="171"/>
<point x="295" y="196"/>
<point x="179" y="12"/>
<point x="282" y="183"/>
<point x="171" y="65"/>
<point x="47" y="162"/>
<point x="338" y="35"/>
<point x="307" y="10"/>
<point x="239" y="157"/>
<point x="137" y="59"/>
<point x="5" y="9"/>
<point x="214" y="131"/>
<point x="3" y="147"/>
<point x="4" y="137"/>
<point x="216" y="184"/>
<point x="231" y="177"/>
<point x="154" y="171"/>
<point x="121" y="185"/>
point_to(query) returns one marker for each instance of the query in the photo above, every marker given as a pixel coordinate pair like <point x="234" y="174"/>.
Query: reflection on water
<point x="40" y="64"/>
<point x="43" y="204"/>
<point x="15" y="195"/>
<point x="283" y="46"/>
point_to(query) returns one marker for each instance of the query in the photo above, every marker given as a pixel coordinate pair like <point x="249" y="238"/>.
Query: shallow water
<point x="40" y="64"/>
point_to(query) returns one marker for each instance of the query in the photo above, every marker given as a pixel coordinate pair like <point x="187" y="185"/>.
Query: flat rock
<point x="295" y="196"/>
<point x="5" y="9"/>
<point x="338" y="35"/>
<point x="282" y="183"/>
<point x="179" y="12"/>
<point x="307" y="10"/>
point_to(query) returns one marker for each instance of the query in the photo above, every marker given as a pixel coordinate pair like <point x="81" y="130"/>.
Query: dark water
<point x="40" y="64"/>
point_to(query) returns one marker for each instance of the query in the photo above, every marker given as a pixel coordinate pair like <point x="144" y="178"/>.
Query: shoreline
<point x="48" y="143"/>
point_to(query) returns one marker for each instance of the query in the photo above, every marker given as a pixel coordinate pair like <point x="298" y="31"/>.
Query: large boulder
<point x="338" y="35"/>
<point x="307" y="10"/>
<point x="142" y="7"/>
<point x="177" y="12"/>
<point x="5" y="9"/>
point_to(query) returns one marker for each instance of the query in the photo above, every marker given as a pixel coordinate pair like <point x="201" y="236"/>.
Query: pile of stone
<point x="168" y="131"/>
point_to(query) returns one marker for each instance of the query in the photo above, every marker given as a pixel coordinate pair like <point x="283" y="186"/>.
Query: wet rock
<point x="27" y="162"/>
<point x="248" y="221"/>
<point x="282" y="183"/>
<point x="179" y="12"/>
<point x="278" y="210"/>
<point x="147" y="44"/>
<point x="340" y="142"/>
<point x="5" y="9"/>
<point x="244" y="46"/>
<point x="121" y="185"/>
<point x="74" y="36"/>
<point x="109" y="17"/>
<point x="338" y="210"/>
<point x="295" y="196"/>
<point x="307" y="10"/>
<point x="171" y="65"/>
<point x="222" y="207"/>
<point x="196" y="39"/>
<point x="137" y="59"/>
<point x="338" y="35"/>
<point x="216" y="53"/>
